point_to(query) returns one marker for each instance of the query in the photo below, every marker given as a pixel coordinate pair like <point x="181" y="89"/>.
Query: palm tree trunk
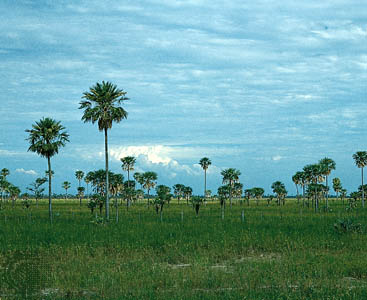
<point x="128" y="188"/>
<point x="204" y="183"/>
<point x="230" y="194"/>
<point x="362" y="190"/>
<point x="107" y="184"/>
<point x="117" y="210"/>
<point x="49" y="189"/>
<point x="327" y="193"/>
<point x="316" y="199"/>
<point x="297" y="194"/>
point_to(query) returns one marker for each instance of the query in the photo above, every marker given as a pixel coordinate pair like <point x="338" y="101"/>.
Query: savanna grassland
<point x="273" y="252"/>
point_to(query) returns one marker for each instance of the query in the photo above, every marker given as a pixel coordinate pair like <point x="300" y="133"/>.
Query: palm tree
<point x="327" y="165"/>
<point x="14" y="192"/>
<point x="80" y="190"/>
<point x="313" y="175"/>
<point x="178" y="190"/>
<point x="343" y="194"/>
<point x="79" y="176"/>
<point x="248" y="194"/>
<point x="258" y="192"/>
<point x="223" y="193"/>
<point x="46" y="138"/>
<point x="88" y="178"/>
<point x="36" y="189"/>
<point x="150" y="179"/>
<point x="163" y="196"/>
<point x="187" y="193"/>
<point x="128" y="163"/>
<point x="205" y="163"/>
<point x="360" y="159"/>
<point x="4" y="172"/>
<point x="337" y="186"/>
<point x="230" y="176"/>
<point x="66" y="185"/>
<point x="102" y="105"/>
<point x="139" y="178"/>
<point x="279" y="189"/>
<point x="296" y="178"/>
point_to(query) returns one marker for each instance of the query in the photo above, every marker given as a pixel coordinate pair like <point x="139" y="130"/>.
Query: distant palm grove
<point x="104" y="189"/>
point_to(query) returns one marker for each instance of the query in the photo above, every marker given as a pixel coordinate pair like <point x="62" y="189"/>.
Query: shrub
<point x="347" y="225"/>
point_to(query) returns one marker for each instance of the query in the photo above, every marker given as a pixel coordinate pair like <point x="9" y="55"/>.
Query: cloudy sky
<point x="263" y="86"/>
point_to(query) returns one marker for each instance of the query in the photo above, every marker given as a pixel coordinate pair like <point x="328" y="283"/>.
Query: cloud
<point x="158" y="154"/>
<point x="276" y="157"/>
<point x="161" y="156"/>
<point x="28" y="172"/>
<point x="13" y="153"/>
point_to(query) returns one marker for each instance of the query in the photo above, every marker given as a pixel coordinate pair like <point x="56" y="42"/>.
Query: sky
<point x="264" y="86"/>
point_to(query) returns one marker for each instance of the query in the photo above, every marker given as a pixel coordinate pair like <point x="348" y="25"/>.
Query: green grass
<point x="285" y="252"/>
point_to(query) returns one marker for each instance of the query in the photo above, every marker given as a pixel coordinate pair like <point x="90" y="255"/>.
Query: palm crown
<point x="102" y="105"/>
<point x="230" y="176"/>
<point x="360" y="158"/>
<point x="327" y="165"/>
<point x="205" y="163"/>
<point x="4" y="172"/>
<point x="128" y="163"/>
<point x="79" y="175"/>
<point x="46" y="137"/>
<point x="149" y="179"/>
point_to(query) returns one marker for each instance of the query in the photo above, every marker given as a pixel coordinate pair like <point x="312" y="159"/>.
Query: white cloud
<point x="276" y="157"/>
<point x="13" y="153"/>
<point x="158" y="154"/>
<point x="28" y="172"/>
<point x="161" y="156"/>
<point x="352" y="33"/>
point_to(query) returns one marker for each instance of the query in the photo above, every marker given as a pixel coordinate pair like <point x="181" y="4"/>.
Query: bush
<point x="347" y="225"/>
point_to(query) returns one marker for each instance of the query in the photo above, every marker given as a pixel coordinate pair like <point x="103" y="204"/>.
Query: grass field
<point x="273" y="252"/>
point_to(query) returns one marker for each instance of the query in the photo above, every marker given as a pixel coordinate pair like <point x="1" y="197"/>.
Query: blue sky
<point x="263" y="86"/>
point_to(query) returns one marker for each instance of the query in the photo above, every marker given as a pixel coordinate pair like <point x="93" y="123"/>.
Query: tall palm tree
<point x="327" y="165"/>
<point x="313" y="175"/>
<point x="102" y="105"/>
<point x="80" y="194"/>
<point x="150" y="179"/>
<point x="139" y="178"/>
<point x="79" y="175"/>
<point x="128" y="163"/>
<point x="302" y="183"/>
<point x="230" y="176"/>
<point x="88" y="178"/>
<point x="4" y="173"/>
<point x="205" y="163"/>
<point x="187" y="193"/>
<point x="280" y="190"/>
<point x="46" y="138"/>
<point x="360" y="159"/>
<point x="14" y="192"/>
<point x="296" y="178"/>
<point x="66" y="185"/>
<point x="337" y="186"/>
<point x="178" y="190"/>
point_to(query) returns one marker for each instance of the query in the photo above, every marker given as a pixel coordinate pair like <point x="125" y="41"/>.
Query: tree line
<point x="101" y="104"/>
